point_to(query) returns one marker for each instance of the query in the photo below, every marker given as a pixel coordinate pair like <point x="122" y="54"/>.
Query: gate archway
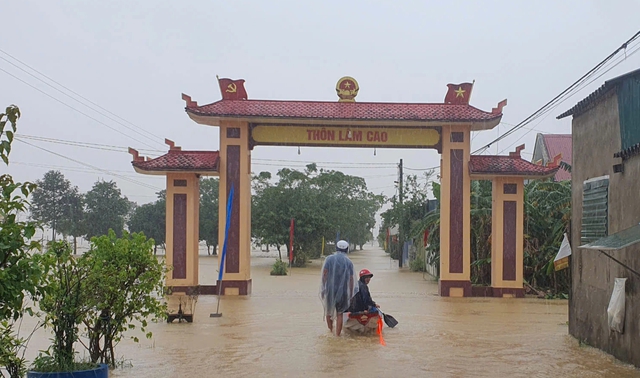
<point x="446" y="127"/>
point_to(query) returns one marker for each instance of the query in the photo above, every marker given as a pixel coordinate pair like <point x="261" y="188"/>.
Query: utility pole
<point x="401" y="220"/>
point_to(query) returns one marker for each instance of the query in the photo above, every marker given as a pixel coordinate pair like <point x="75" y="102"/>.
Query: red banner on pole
<point x="291" y="242"/>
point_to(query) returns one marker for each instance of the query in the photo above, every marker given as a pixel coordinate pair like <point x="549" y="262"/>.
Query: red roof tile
<point x="491" y="165"/>
<point x="344" y="110"/>
<point x="178" y="160"/>
<point x="559" y="144"/>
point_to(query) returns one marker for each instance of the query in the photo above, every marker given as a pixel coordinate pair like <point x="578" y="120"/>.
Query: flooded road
<point x="279" y="331"/>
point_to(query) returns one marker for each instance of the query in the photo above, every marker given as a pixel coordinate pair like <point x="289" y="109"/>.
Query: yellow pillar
<point x="235" y="169"/>
<point x="455" y="212"/>
<point x="507" y="237"/>
<point x="182" y="229"/>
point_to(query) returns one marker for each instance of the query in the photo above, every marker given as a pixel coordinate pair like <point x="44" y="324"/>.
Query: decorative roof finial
<point x="172" y="145"/>
<point x="555" y="162"/>
<point x="517" y="151"/>
<point x="190" y="104"/>
<point x="136" y="155"/>
<point x="501" y="105"/>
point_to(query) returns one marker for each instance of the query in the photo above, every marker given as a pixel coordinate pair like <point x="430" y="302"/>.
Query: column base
<point x="448" y="288"/>
<point x="235" y="287"/>
<point x="508" y="292"/>
<point x="194" y="290"/>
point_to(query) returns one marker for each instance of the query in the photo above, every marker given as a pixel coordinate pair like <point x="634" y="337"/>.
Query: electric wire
<point x="93" y="167"/>
<point x="149" y="135"/>
<point x="74" y="109"/>
<point x="570" y="89"/>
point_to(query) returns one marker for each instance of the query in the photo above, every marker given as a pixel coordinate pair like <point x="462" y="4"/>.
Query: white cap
<point x="342" y="245"/>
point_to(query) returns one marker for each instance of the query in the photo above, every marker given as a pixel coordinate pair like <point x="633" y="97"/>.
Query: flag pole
<point x="221" y="93"/>
<point x="224" y="252"/>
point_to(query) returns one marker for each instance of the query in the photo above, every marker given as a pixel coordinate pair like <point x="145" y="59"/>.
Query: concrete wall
<point x="596" y="137"/>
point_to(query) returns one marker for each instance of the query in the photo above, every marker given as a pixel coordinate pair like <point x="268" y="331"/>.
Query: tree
<point x="322" y="202"/>
<point x="64" y="308"/>
<point x="547" y="208"/>
<point x="410" y="214"/>
<point x="124" y="278"/>
<point x="49" y="203"/>
<point x="150" y="219"/>
<point x="106" y="209"/>
<point x="547" y="214"/>
<point x="209" y="200"/>
<point x="73" y="222"/>
<point x="21" y="270"/>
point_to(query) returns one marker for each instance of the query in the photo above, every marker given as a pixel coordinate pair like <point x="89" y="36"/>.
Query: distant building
<point x="549" y="146"/>
<point x="605" y="184"/>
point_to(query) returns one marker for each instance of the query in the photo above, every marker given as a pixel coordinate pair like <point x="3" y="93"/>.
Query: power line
<point x="94" y="146"/>
<point x="569" y="94"/>
<point x="546" y="113"/>
<point x="76" y="169"/>
<point x="423" y="169"/>
<point x="71" y="107"/>
<point x="93" y="167"/>
<point x="571" y="88"/>
<point x="108" y="147"/>
<point x="149" y="135"/>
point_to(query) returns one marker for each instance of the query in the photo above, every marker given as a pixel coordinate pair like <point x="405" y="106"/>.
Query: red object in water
<point x="291" y="242"/>
<point x="426" y="237"/>
<point x="380" y="325"/>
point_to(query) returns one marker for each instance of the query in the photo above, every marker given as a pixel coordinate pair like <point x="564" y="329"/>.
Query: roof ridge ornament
<point x="232" y="89"/>
<point x="172" y="145"/>
<point x="555" y="162"/>
<point x="498" y="109"/>
<point x="347" y="89"/>
<point x="516" y="153"/>
<point x="136" y="154"/>
<point x="190" y="104"/>
<point x="459" y="94"/>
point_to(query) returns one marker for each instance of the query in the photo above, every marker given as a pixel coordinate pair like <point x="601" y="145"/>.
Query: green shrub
<point x="279" y="268"/>
<point x="417" y="264"/>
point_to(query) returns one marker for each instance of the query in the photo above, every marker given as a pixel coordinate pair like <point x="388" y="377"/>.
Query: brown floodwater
<point x="279" y="331"/>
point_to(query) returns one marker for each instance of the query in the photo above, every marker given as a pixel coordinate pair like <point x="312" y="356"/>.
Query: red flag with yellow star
<point x="458" y="94"/>
<point x="232" y="89"/>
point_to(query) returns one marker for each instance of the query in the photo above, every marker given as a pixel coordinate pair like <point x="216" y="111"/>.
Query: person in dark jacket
<point x="362" y="301"/>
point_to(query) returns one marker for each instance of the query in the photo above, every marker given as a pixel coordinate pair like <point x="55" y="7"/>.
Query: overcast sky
<point x="135" y="58"/>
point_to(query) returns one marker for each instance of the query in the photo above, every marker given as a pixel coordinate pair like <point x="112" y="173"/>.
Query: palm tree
<point x="547" y="207"/>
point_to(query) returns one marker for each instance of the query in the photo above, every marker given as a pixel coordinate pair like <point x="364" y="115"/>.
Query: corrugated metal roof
<point x="628" y="152"/>
<point x="597" y="95"/>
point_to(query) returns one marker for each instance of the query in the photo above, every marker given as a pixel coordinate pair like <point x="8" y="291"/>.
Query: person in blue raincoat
<point x="338" y="286"/>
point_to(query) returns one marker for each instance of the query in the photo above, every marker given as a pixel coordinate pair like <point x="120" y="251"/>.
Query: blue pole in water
<point x="224" y="250"/>
<point x="226" y="235"/>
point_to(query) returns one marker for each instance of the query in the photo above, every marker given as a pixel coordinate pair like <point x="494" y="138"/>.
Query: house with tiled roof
<point x="548" y="146"/>
<point x="605" y="218"/>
